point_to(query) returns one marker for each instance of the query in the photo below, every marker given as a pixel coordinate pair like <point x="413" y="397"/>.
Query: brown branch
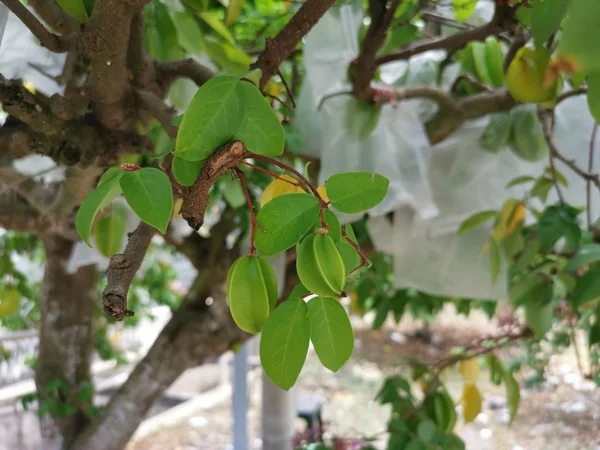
<point x="546" y="117"/>
<point x="519" y="39"/>
<point x="159" y="110"/>
<point x="442" y="98"/>
<point x="365" y="64"/>
<point x="121" y="270"/>
<point x="469" y="108"/>
<point x="572" y="93"/>
<point x="167" y="72"/>
<point x="53" y="42"/>
<point x="195" y="198"/>
<point x="52" y="14"/>
<point x="503" y="18"/>
<point x="278" y="49"/>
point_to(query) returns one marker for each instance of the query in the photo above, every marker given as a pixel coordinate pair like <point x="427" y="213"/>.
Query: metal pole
<point x="240" y="399"/>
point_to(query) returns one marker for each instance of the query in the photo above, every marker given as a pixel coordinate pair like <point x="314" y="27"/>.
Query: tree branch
<point x="503" y="17"/>
<point x="158" y="109"/>
<point x="469" y="108"/>
<point x="121" y="270"/>
<point x="54" y="43"/>
<point x="277" y="49"/>
<point x="167" y="72"/>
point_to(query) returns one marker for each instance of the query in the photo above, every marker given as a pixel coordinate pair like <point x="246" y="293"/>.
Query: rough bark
<point x="196" y="334"/>
<point x="65" y="335"/>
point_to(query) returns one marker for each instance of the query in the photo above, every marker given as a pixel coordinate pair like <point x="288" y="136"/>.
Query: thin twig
<point x="274" y="175"/>
<point x="281" y="102"/>
<point x="329" y="96"/>
<point x="287" y="89"/>
<point x="53" y="42"/>
<point x="569" y="94"/>
<point x="547" y="120"/>
<point x="240" y="175"/>
<point x="588" y="184"/>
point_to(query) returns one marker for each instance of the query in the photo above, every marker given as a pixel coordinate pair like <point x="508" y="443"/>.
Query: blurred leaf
<point x="216" y="24"/>
<point x="587" y="287"/>
<point x="513" y="395"/>
<point x="476" y="220"/>
<point x="469" y="369"/>
<point x="463" y="9"/>
<point x="233" y="11"/>
<point x="586" y="254"/>
<point x="494" y="260"/>
<point x="471" y="402"/>
<point x="546" y="17"/>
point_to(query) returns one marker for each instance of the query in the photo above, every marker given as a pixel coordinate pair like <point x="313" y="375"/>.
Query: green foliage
<point x="546" y="18"/>
<point x="108" y="188"/>
<point x="477" y="220"/>
<point x="283" y="221"/>
<point x="356" y="192"/>
<point x="463" y="9"/>
<point x="362" y="118"/>
<point x="227" y="108"/>
<point x="184" y="171"/>
<point x="109" y="232"/>
<point x="593" y="95"/>
<point x="331" y="332"/>
<point x="575" y="45"/>
<point x="148" y="192"/>
<point x="284" y="342"/>
<point x="74" y="8"/>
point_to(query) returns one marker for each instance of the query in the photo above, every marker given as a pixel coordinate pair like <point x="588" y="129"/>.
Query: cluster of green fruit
<point x="322" y="264"/>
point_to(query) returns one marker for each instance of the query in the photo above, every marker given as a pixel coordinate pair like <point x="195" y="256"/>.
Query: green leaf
<point x="586" y="254"/>
<point x="594" y="336"/>
<point x="185" y="172"/>
<point x="496" y="133"/>
<point x="108" y="234"/>
<point x="539" y="317"/>
<point x="233" y="11"/>
<point x="494" y="260"/>
<point x="587" y="287"/>
<point x="520" y="180"/>
<point x="331" y="332"/>
<point x="225" y="55"/>
<point x="162" y="40"/>
<point x="556" y="222"/>
<point x="260" y="130"/>
<point x="348" y="254"/>
<point x="527" y="256"/>
<point x="74" y="8"/>
<point x="355" y="192"/>
<point x="531" y="287"/>
<point x="108" y="188"/>
<point x="513" y="394"/>
<point x="426" y="430"/>
<point x="212" y="118"/>
<point x="476" y="220"/>
<point x="215" y="23"/>
<point x="233" y="192"/>
<point x="190" y="36"/>
<point x="148" y="192"/>
<point x="283" y="221"/>
<point x="415" y="444"/>
<point x="576" y="47"/>
<point x="350" y="233"/>
<point x="546" y="17"/>
<point x="299" y="292"/>
<point x="284" y="342"/>
<point x="593" y="95"/>
<point x="463" y="9"/>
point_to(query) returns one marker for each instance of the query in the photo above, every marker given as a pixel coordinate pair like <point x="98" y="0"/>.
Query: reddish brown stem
<point x="274" y="175"/>
<point x="363" y="259"/>
<point x="253" y="224"/>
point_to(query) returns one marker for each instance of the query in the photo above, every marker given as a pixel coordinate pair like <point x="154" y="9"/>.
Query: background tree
<point x="122" y="92"/>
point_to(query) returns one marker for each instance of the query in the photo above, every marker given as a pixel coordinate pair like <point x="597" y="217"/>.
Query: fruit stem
<point x="363" y="259"/>
<point x="301" y="178"/>
<point x="253" y="223"/>
<point x="274" y="175"/>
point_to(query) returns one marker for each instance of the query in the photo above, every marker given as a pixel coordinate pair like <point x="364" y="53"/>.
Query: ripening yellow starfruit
<point x="279" y="187"/>
<point x="526" y="76"/>
<point x="320" y="266"/>
<point x="251" y="291"/>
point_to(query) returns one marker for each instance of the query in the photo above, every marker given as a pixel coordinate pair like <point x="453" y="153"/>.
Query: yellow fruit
<point x="471" y="402"/>
<point x="279" y="187"/>
<point x="526" y="74"/>
<point x="469" y="369"/>
<point x="251" y="291"/>
<point x="323" y="192"/>
<point x="10" y="301"/>
<point x="320" y="266"/>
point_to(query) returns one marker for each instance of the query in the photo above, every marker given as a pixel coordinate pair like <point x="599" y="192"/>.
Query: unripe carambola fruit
<point x="251" y="291"/>
<point x="320" y="266"/>
<point x="526" y="75"/>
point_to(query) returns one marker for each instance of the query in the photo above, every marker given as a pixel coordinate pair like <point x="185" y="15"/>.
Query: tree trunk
<point x="196" y="334"/>
<point x="65" y="343"/>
